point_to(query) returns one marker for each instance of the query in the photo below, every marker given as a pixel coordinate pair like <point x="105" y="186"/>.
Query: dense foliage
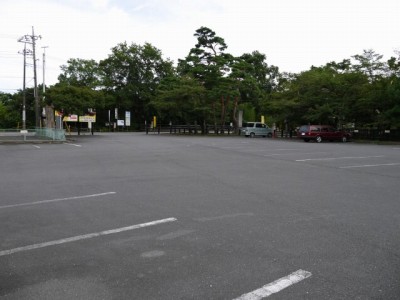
<point x="210" y="86"/>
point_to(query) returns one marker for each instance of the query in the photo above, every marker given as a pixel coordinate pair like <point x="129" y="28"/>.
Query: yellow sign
<point x="154" y="122"/>
<point x="70" y="118"/>
<point x="82" y="119"/>
<point x="262" y="119"/>
<point x="87" y="119"/>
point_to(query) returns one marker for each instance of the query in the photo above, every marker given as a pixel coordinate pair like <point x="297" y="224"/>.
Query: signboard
<point x="70" y="118"/>
<point x="83" y="119"/>
<point x="87" y="119"/>
<point x="127" y="118"/>
<point x="120" y="122"/>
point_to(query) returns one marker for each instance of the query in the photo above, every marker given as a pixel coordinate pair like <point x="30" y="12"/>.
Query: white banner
<point x="127" y="118"/>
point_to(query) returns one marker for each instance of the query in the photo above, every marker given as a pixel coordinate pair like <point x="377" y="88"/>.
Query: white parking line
<point x="345" y="157"/>
<point x="84" y="237"/>
<point x="205" y="219"/>
<point x="76" y="145"/>
<point x="276" y="286"/>
<point x="56" y="200"/>
<point x="306" y="153"/>
<point x="368" y="166"/>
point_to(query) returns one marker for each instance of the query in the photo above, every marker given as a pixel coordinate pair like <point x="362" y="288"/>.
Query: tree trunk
<point x="49" y="117"/>
<point x="234" y="117"/>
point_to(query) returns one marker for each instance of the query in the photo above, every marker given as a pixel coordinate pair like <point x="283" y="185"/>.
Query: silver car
<point x="252" y="129"/>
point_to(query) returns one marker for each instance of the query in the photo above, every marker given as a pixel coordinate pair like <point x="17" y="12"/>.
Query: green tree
<point x="211" y="66"/>
<point x="257" y="80"/>
<point x="180" y="100"/>
<point x="369" y="63"/>
<point x="80" y="72"/>
<point x="74" y="99"/>
<point x="3" y="110"/>
<point x="325" y="94"/>
<point x="11" y="109"/>
<point x="131" y="73"/>
<point x="207" y="61"/>
<point x="389" y="115"/>
<point x="375" y="97"/>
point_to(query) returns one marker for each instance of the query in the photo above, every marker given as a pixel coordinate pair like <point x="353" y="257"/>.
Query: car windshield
<point x="304" y="128"/>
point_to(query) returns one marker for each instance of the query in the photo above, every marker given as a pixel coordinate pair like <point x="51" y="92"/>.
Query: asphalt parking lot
<point x="135" y="216"/>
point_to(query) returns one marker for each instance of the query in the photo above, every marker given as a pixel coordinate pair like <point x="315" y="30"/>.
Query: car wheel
<point x="344" y="139"/>
<point x="306" y="140"/>
<point x="318" y="139"/>
<point x="269" y="135"/>
<point x="252" y="134"/>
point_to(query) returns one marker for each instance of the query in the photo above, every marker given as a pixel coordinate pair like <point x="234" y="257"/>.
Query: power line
<point x="8" y="89"/>
<point x="7" y="36"/>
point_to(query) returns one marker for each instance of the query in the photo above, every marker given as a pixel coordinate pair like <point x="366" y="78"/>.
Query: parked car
<point x="252" y="129"/>
<point x="322" y="132"/>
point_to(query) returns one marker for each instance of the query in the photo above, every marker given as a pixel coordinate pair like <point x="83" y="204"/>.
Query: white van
<point x="252" y="129"/>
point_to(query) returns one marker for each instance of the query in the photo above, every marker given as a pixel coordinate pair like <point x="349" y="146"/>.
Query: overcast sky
<point x="293" y="34"/>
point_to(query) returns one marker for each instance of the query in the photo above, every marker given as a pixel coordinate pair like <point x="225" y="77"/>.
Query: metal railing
<point x="377" y="134"/>
<point x="191" y="129"/>
<point x="32" y="135"/>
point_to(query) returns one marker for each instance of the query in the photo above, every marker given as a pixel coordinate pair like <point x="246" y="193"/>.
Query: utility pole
<point x="44" y="70"/>
<point x="24" y="52"/>
<point x="31" y="39"/>
<point x="37" y="106"/>
<point x="24" y="93"/>
<point x="44" y="111"/>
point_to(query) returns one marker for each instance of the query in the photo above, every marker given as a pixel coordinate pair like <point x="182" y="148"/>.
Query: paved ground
<point x="134" y="216"/>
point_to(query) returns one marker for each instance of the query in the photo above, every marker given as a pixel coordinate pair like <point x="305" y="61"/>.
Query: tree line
<point x="210" y="86"/>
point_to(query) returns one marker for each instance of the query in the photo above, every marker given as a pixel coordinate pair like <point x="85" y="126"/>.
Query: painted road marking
<point x="276" y="286"/>
<point x="76" y="145"/>
<point x="84" y="237"/>
<point x="56" y="200"/>
<point x="37" y="147"/>
<point x="275" y="154"/>
<point x="368" y="166"/>
<point x="345" y="157"/>
<point x="205" y="219"/>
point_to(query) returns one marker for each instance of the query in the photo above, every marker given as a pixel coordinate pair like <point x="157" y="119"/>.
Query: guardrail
<point x="357" y="134"/>
<point x="377" y="134"/>
<point x="32" y="135"/>
<point x="191" y="129"/>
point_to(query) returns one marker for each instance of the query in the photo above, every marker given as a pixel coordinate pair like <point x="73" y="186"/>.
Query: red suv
<point x="322" y="132"/>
